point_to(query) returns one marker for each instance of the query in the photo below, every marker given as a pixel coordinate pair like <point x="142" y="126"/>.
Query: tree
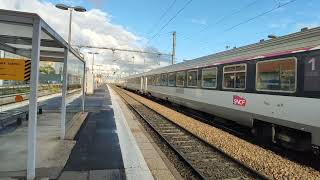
<point x="47" y="69"/>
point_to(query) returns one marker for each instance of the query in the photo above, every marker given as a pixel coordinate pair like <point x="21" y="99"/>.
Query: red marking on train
<point x="239" y="101"/>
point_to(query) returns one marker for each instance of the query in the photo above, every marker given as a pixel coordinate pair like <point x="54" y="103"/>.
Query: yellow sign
<point x="15" y="69"/>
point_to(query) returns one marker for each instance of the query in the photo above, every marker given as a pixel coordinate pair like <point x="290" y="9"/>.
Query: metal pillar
<point x="33" y="106"/>
<point x="70" y="26"/>
<point x="64" y="94"/>
<point x="83" y="86"/>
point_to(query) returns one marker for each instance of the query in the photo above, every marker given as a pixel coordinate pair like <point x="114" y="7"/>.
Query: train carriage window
<point x="312" y="74"/>
<point x="164" y="79"/>
<point x="192" y="78"/>
<point x="234" y="76"/>
<point x="180" y="78"/>
<point x="158" y="80"/>
<point x="154" y="80"/>
<point x="277" y="75"/>
<point x="209" y="77"/>
<point x="171" y="79"/>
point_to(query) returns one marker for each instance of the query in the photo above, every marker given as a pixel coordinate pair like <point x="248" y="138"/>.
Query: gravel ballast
<point x="258" y="158"/>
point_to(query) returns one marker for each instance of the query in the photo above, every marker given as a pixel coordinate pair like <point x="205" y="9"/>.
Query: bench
<point x="16" y="116"/>
<point x="10" y="117"/>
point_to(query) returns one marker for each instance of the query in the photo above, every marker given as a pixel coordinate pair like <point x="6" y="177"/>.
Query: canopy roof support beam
<point x="28" y="41"/>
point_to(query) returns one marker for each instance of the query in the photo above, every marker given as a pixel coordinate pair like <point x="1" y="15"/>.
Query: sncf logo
<point x="239" y="101"/>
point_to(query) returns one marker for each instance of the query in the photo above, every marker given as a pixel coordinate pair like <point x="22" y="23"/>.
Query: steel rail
<point x="248" y="168"/>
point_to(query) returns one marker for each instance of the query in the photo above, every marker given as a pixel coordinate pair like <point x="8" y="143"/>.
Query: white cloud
<point x="308" y="25"/>
<point x="199" y="21"/>
<point x="278" y="25"/>
<point x="97" y="3"/>
<point x="93" y="27"/>
<point x="282" y="23"/>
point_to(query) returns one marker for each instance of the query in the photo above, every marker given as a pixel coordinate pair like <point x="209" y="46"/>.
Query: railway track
<point x="305" y="158"/>
<point x="206" y="161"/>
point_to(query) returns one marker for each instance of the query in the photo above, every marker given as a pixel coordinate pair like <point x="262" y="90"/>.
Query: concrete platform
<point x="52" y="153"/>
<point x="112" y="145"/>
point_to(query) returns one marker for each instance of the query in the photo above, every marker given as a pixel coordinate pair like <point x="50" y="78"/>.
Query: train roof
<point x="304" y="40"/>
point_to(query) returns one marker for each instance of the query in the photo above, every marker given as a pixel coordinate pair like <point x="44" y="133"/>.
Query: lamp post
<point x="65" y="70"/>
<point x="70" y="8"/>
<point x="93" y="53"/>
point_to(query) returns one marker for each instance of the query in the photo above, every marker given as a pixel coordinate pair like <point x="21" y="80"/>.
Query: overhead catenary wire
<point x="226" y="16"/>
<point x="259" y="15"/>
<point x="162" y="16"/>
<point x="170" y="20"/>
<point x="119" y="49"/>
<point x="253" y="18"/>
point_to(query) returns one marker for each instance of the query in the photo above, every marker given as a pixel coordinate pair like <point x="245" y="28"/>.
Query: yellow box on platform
<point x="15" y="69"/>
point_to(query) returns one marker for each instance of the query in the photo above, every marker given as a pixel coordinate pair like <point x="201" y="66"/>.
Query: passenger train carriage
<point x="272" y="87"/>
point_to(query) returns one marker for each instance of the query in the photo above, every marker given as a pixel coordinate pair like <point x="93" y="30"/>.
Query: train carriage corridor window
<point x="171" y="79"/>
<point x="192" y="78"/>
<point x="209" y="77"/>
<point x="234" y="76"/>
<point x="150" y="80"/>
<point x="164" y="79"/>
<point x="180" y="78"/>
<point x="276" y="75"/>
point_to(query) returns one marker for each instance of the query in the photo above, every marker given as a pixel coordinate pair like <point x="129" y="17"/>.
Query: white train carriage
<point x="272" y="86"/>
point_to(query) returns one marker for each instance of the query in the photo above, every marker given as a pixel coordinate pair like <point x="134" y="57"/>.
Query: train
<point x="271" y="87"/>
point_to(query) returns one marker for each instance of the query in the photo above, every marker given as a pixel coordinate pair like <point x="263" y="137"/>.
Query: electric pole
<point x="173" y="47"/>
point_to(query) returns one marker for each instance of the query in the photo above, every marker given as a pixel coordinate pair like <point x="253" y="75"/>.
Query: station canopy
<point x="16" y="37"/>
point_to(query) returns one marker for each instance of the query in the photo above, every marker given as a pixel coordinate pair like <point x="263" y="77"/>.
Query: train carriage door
<point x="145" y="84"/>
<point x="312" y="74"/>
<point x="141" y="84"/>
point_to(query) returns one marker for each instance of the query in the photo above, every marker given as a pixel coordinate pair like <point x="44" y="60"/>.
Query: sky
<point x="203" y="27"/>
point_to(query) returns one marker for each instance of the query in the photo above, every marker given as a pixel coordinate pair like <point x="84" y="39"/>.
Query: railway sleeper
<point x="182" y="145"/>
<point x="181" y="142"/>
<point x="169" y="130"/>
<point x="172" y="133"/>
<point x="181" y="137"/>
<point x="196" y="153"/>
<point x="204" y="160"/>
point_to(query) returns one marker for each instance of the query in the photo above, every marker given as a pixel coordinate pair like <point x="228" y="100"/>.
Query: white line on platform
<point x="135" y="166"/>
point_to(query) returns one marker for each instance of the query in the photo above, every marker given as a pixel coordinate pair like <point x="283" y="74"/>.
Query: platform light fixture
<point x="70" y="8"/>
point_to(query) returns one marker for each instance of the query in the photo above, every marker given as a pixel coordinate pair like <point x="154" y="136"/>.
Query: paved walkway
<point x="97" y="153"/>
<point x="98" y="144"/>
